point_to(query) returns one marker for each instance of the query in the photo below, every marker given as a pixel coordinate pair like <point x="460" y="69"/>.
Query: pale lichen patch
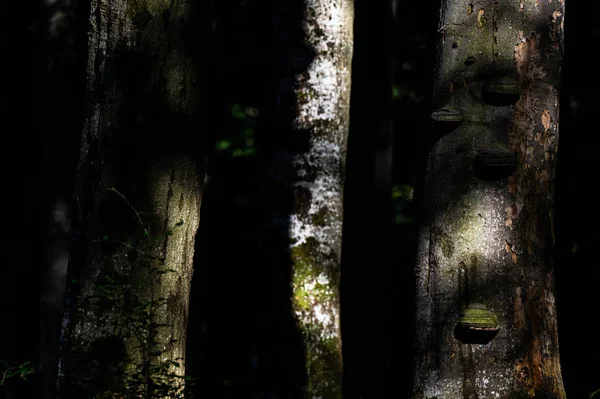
<point x="324" y="79"/>
<point x="314" y="306"/>
<point x="321" y="217"/>
<point x="314" y="226"/>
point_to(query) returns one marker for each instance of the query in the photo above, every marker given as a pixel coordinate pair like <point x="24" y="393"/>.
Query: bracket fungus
<point x="476" y="325"/>
<point x="446" y="119"/>
<point x="495" y="162"/>
<point x="502" y="90"/>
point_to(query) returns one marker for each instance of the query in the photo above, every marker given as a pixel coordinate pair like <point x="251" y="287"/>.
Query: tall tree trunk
<point x="368" y="206"/>
<point x="485" y="267"/>
<point x="63" y="50"/>
<point x="138" y="201"/>
<point x="312" y="128"/>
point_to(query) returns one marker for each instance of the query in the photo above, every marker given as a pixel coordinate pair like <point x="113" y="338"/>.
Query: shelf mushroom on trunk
<point x="495" y="162"/>
<point x="476" y="325"/>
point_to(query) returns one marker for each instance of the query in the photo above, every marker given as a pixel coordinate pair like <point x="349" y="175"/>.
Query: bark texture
<point x="138" y="201"/>
<point x="488" y="239"/>
<point x="313" y="114"/>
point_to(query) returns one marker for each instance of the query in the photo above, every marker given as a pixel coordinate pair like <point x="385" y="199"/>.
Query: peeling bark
<point x="490" y="240"/>
<point x="138" y="201"/>
<point x="313" y="113"/>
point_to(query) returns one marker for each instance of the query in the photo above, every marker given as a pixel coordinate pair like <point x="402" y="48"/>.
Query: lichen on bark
<point x="320" y="96"/>
<point x="138" y="198"/>
<point x="490" y="241"/>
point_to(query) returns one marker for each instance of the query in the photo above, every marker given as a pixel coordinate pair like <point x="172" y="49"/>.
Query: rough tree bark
<point x="137" y="203"/>
<point x="313" y="122"/>
<point x="487" y="233"/>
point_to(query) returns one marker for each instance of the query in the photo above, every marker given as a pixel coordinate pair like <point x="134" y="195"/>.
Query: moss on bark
<point x="319" y="95"/>
<point x="140" y="137"/>
<point x="505" y="222"/>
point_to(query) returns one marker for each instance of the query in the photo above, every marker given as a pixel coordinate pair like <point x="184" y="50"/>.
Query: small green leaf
<point x="238" y="111"/>
<point x="222" y="145"/>
<point x="238" y="152"/>
<point x="243" y="152"/>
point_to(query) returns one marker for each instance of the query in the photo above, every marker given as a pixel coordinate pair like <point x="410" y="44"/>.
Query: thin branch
<point x="137" y="214"/>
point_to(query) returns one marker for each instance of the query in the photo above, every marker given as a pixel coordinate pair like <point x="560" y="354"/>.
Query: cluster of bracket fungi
<point x="496" y="161"/>
<point x="476" y="323"/>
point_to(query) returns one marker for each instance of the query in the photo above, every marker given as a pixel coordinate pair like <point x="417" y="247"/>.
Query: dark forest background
<point x="232" y="298"/>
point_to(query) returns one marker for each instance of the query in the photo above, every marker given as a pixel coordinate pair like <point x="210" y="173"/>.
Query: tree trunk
<point x="368" y="206"/>
<point x="137" y="203"/>
<point x="484" y="266"/>
<point x="60" y="109"/>
<point x="312" y="128"/>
